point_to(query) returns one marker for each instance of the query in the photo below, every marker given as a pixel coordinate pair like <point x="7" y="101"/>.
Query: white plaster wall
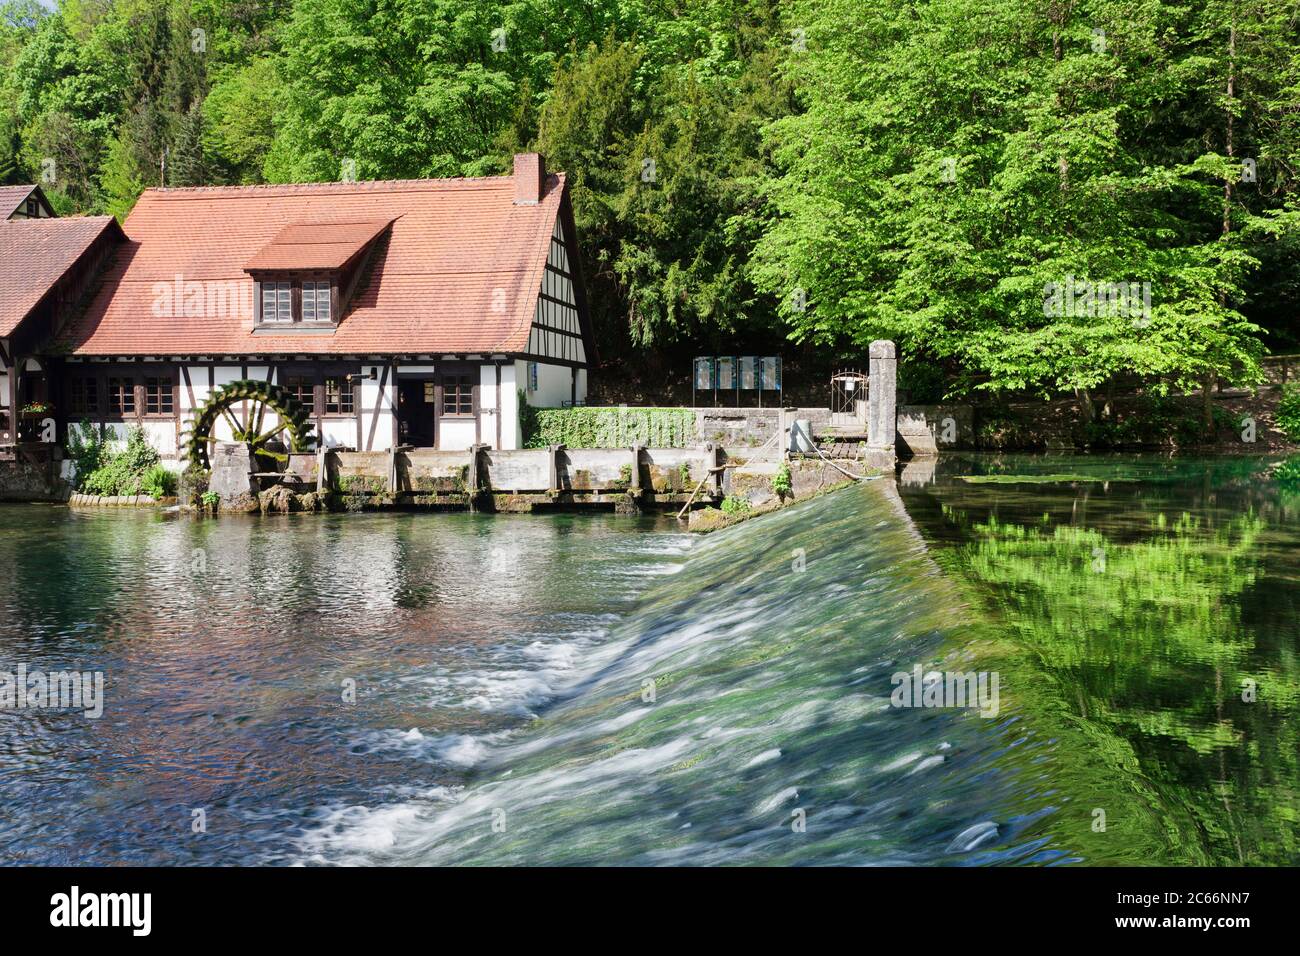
<point x="554" y="386"/>
<point x="510" y="437"/>
<point x="378" y="409"/>
<point x="455" y="435"/>
<point x="198" y="378"/>
<point x="117" y="433"/>
<point x="161" y="434"/>
<point x="336" y="432"/>
<point x="224" y="375"/>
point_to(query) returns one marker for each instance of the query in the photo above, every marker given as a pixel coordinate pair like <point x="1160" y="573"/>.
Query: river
<point x="578" y="689"/>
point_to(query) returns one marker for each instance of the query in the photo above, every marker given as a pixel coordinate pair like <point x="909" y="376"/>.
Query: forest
<point x="805" y="175"/>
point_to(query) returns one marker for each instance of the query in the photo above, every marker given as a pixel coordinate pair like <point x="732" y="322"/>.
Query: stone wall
<point x="925" y="430"/>
<point x="740" y="428"/>
<point x="32" y="474"/>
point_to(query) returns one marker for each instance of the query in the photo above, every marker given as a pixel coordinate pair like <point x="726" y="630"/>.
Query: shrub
<point x="124" y="471"/>
<point x="159" y="482"/>
<point x="781" y="481"/>
<point x="1288" y="412"/>
<point x="733" y="505"/>
<point x="527" y="422"/>
<point x="1000" y="428"/>
<point x="87" y="449"/>
<point x="1158" y="420"/>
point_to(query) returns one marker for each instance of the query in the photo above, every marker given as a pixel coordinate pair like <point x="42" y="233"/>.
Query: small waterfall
<point x="741" y="714"/>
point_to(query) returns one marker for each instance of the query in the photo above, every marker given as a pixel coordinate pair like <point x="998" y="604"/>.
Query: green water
<point x="1147" y="610"/>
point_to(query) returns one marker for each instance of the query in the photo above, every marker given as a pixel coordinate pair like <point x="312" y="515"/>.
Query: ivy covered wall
<point x="616" y="427"/>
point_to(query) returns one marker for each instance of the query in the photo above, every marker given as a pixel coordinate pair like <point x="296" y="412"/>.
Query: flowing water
<point x="581" y="689"/>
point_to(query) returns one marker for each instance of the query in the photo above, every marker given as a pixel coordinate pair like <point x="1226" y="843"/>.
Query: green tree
<point x="940" y="205"/>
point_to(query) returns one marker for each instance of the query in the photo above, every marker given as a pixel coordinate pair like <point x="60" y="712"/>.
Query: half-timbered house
<point x="47" y="267"/>
<point x="417" y="312"/>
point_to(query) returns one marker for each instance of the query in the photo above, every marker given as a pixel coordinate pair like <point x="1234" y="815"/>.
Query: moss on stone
<point x="361" y="485"/>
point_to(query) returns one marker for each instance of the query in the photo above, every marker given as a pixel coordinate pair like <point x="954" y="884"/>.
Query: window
<point x="121" y="395"/>
<point x="303" y="388"/>
<point x="430" y="393"/>
<point x="532" y="376"/>
<point x="457" y="395"/>
<point x="338" y="395"/>
<point x="158" y="396"/>
<point x="315" y="301"/>
<point x="277" y="302"/>
<point x="313" y="304"/>
<point x="33" y="209"/>
<point x="83" y="397"/>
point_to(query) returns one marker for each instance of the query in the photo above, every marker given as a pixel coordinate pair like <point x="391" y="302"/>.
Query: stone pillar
<point x="231" y="477"/>
<point x="553" y="469"/>
<point x="882" y="412"/>
<point x="634" y="486"/>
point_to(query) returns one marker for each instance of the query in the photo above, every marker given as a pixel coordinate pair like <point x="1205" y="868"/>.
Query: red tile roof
<point x="321" y="245"/>
<point x="458" y="272"/>
<point x="11" y="197"/>
<point x="37" y="253"/>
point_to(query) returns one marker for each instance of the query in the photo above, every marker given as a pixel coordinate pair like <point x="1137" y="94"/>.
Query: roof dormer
<point x="305" y="275"/>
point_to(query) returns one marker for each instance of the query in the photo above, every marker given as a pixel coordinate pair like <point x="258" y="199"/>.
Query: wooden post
<point x="475" y="483"/>
<point x="713" y="460"/>
<point x="392" y="469"/>
<point x="322" y="475"/>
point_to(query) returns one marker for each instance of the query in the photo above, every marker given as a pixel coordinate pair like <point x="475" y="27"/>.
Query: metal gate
<point x="848" y="398"/>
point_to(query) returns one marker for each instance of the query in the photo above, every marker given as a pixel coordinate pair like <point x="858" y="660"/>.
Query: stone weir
<point x="478" y="479"/>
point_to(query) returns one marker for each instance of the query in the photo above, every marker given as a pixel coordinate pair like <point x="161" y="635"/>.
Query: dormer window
<point x="277" y="301"/>
<point x="295" y="301"/>
<point x="315" y="301"/>
<point x="308" y="271"/>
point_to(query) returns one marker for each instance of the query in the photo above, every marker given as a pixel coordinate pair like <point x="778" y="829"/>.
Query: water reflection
<point x="227" y="646"/>
<point x="1160" y="598"/>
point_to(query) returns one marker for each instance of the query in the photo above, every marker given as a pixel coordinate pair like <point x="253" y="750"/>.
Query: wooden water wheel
<point x="291" y="429"/>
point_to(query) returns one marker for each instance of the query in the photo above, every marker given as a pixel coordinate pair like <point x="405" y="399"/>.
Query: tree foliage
<point x="953" y="160"/>
<point x="831" y="170"/>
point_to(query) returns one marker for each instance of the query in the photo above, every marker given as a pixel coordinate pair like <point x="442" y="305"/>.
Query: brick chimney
<point x="530" y="179"/>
